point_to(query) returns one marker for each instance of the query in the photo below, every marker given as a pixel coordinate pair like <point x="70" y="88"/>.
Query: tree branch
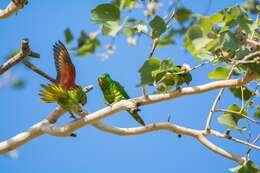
<point x="12" y="8"/>
<point x="215" y="103"/>
<point x="229" y="137"/>
<point x="46" y="126"/>
<point x="172" y="128"/>
<point x="24" y="52"/>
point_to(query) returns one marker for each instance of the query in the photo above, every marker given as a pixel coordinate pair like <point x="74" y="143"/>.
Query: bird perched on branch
<point x="63" y="89"/>
<point x="114" y="92"/>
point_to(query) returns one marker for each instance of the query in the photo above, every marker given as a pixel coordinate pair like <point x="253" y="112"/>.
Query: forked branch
<point x="46" y="126"/>
<point x="23" y="53"/>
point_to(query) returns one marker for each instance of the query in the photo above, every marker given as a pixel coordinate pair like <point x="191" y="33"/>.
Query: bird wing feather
<point x="66" y="74"/>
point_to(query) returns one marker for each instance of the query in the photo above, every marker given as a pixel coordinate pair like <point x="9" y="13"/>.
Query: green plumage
<point x="69" y="100"/>
<point x="114" y="92"/>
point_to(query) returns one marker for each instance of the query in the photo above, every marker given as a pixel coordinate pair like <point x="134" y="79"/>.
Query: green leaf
<point x="182" y="15"/>
<point x="229" y="41"/>
<point x="112" y="28"/>
<point x="255" y="68"/>
<point x="208" y="23"/>
<point x="105" y="12"/>
<point x="248" y="167"/>
<point x="247" y="93"/>
<point x="158" y="25"/>
<point x="219" y="73"/>
<point x="87" y="45"/>
<point x="196" y="40"/>
<point x="232" y="13"/>
<point x="257" y="112"/>
<point x="128" y="4"/>
<point x="18" y="84"/>
<point x="68" y="35"/>
<point x="236" y="17"/>
<point x="129" y="32"/>
<point x="231" y="120"/>
<point x="167" y="77"/>
<point x="146" y="71"/>
<point x="167" y="39"/>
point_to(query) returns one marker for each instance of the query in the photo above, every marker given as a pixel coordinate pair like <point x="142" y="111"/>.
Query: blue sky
<point x="43" y="23"/>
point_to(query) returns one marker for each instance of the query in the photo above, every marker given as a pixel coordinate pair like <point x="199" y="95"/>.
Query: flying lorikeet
<point x="64" y="90"/>
<point x="114" y="92"/>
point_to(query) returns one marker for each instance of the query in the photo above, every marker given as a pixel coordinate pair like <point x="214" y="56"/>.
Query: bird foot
<point x="178" y="89"/>
<point x="20" y="2"/>
<point x="74" y="135"/>
<point x="135" y="110"/>
<point x="73" y="116"/>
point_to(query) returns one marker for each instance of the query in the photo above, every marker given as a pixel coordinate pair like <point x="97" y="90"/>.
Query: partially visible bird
<point x="63" y="89"/>
<point x="114" y="92"/>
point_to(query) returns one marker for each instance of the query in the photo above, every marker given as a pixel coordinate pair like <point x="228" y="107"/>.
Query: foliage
<point x="231" y="119"/>
<point x="163" y="74"/>
<point x="226" y="39"/>
<point x="248" y="167"/>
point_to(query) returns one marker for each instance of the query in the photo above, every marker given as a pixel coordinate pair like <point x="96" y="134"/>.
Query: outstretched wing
<point x="66" y="74"/>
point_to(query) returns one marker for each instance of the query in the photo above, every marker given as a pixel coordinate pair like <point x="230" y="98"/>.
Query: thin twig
<point x="173" y="13"/>
<point x="215" y="103"/>
<point x="242" y="97"/>
<point x="250" y="147"/>
<point x="38" y="71"/>
<point x="256" y="24"/>
<point x="217" y="99"/>
<point x="154" y="45"/>
<point x="239" y="114"/>
<point x="250" y="99"/>
<point x="156" y="40"/>
<point x="144" y="91"/>
<point x="194" y="68"/>
<point x="24" y="52"/>
<point x="229" y="137"/>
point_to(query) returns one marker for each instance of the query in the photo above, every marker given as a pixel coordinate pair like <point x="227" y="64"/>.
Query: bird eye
<point x="82" y="100"/>
<point x="101" y="82"/>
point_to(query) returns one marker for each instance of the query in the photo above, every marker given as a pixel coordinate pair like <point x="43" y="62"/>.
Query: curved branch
<point x="172" y="128"/>
<point x="31" y="133"/>
<point x="12" y="8"/>
<point x="45" y="126"/>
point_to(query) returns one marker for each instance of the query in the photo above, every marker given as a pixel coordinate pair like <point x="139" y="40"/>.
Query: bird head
<point x="103" y="79"/>
<point x="80" y="95"/>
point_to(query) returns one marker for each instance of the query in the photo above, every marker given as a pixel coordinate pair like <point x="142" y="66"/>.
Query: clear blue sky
<point x="93" y="151"/>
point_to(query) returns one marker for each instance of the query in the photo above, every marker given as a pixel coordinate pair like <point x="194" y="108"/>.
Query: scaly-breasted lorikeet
<point x="64" y="90"/>
<point x="114" y="92"/>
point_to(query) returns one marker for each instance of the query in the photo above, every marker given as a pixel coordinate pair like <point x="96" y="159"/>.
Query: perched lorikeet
<point x="114" y="92"/>
<point x="64" y="90"/>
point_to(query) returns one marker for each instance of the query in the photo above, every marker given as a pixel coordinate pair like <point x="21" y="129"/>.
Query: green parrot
<point x="63" y="90"/>
<point x="114" y="92"/>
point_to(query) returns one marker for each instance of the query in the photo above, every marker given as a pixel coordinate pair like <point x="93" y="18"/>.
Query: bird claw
<point x="73" y="116"/>
<point x="74" y="135"/>
<point x="20" y="2"/>
<point x="169" y="118"/>
<point x="178" y="89"/>
<point x="135" y="110"/>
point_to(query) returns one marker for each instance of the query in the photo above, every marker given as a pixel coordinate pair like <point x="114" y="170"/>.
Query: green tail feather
<point x="137" y="117"/>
